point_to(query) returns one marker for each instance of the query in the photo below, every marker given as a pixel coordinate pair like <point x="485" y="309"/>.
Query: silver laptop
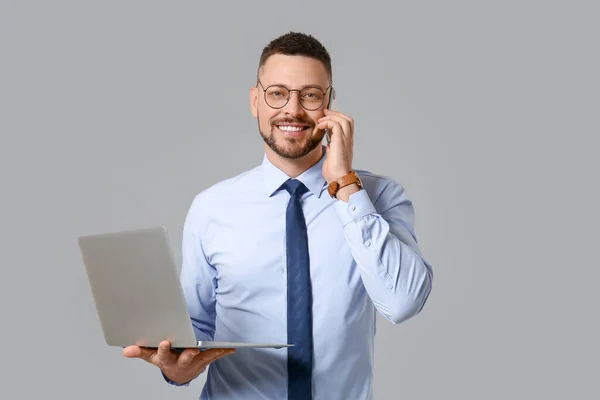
<point x="137" y="293"/>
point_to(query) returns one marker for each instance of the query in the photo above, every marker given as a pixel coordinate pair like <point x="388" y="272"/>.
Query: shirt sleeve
<point x="174" y="383"/>
<point x="381" y="237"/>
<point x="198" y="276"/>
<point x="198" y="280"/>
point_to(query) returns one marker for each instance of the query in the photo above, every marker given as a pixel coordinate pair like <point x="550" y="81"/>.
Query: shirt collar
<point x="312" y="178"/>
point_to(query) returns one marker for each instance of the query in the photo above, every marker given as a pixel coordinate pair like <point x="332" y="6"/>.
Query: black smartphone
<point x="331" y="98"/>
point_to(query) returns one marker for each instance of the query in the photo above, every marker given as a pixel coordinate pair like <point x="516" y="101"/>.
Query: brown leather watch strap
<point x="344" y="181"/>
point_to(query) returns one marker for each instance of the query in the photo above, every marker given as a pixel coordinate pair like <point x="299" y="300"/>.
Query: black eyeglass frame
<point x="290" y="95"/>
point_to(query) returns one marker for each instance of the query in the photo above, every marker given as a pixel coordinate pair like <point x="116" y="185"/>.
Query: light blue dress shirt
<point x="364" y="259"/>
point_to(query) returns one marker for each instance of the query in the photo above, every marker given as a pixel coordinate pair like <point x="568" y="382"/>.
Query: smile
<point x="292" y="128"/>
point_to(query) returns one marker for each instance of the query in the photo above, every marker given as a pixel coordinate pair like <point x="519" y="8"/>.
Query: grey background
<point x="114" y="114"/>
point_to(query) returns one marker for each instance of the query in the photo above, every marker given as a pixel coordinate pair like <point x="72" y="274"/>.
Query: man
<point x="300" y="250"/>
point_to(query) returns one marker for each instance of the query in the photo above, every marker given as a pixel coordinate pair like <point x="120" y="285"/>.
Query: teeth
<point x="291" y="128"/>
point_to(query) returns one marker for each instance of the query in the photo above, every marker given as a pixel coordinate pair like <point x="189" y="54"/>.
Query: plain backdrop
<point x="115" y="114"/>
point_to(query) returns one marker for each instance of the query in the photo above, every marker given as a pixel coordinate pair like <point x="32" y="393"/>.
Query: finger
<point x="329" y="112"/>
<point x="164" y="354"/>
<point x="212" y="356"/>
<point x="132" y="351"/>
<point x="138" y="352"/>
<point x="333" y="126"/>
<point x="187" y="356"/>
<point x="209" y="354"/>
<point x="344" y="123"/>
<point x="224" y="353"/>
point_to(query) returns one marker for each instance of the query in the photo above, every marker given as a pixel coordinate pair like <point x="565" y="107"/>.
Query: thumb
<point x="138" y="352"/>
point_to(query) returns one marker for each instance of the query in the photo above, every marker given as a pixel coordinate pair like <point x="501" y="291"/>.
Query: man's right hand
<point x="180" y="367"/>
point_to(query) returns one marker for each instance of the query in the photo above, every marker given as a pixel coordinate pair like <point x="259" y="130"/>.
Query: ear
<point x="254" y="101"/>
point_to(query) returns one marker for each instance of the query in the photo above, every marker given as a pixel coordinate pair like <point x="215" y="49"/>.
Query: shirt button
<point x="352" y="207"/>
<point x="368" y="243"/>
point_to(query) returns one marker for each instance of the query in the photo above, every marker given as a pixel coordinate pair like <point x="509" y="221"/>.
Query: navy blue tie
<point x="300" y="356"/>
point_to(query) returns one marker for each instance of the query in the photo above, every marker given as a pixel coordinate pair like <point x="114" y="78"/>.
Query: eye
<point x="312" y="94"/>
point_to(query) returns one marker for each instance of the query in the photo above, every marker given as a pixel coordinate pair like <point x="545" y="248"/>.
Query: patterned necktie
<point x="300" y="356"/>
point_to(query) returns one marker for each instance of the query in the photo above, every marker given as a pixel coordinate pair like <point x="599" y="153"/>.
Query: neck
<point x="294" y="167"/>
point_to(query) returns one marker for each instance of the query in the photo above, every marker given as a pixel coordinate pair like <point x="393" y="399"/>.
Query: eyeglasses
<point x="277" y="96"/>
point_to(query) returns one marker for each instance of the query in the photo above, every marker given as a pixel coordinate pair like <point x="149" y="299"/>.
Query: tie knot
<point x="295" y="187"/>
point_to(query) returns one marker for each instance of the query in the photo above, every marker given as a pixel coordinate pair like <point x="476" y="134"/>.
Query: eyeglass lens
<point x="278" y="96"/>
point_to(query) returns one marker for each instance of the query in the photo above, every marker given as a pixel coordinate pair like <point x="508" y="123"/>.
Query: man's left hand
<point x="340" y="148"/>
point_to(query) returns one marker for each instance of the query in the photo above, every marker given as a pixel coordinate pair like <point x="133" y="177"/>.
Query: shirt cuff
<point x="359" y="205"/>
<point x="173" y="382"/>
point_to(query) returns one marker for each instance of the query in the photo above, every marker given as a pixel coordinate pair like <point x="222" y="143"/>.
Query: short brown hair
<point x="296" y="43"/>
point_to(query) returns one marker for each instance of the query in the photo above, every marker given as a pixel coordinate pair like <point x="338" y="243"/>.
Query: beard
<point x="296" y="148"/>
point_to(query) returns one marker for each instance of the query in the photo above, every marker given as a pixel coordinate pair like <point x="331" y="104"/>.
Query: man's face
<point x="290" y="131"/>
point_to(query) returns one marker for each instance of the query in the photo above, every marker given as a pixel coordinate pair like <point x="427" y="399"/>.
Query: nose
<point x="293" y="106"/>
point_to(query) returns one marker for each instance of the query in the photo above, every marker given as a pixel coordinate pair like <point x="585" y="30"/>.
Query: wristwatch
<point x="344" y="181"/>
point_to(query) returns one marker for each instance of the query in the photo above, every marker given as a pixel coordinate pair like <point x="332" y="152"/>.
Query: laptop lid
<point x="136" y="289"/>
